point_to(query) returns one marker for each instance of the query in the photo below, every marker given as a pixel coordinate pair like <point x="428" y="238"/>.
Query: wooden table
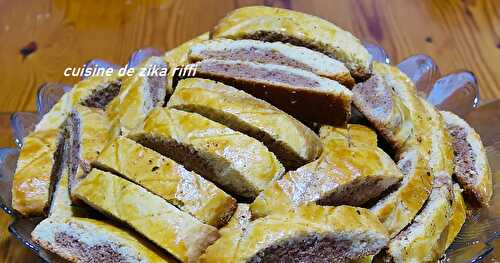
<point x="40" y="38"/>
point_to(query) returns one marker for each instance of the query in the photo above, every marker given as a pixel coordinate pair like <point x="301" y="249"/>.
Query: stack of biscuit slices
<point x="253" y="159"/>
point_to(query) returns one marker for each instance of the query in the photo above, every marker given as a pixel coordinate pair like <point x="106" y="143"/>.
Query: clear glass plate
<point x="457" y="92"/>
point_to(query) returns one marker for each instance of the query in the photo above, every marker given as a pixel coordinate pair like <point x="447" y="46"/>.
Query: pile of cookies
<point x="254" y="158"/>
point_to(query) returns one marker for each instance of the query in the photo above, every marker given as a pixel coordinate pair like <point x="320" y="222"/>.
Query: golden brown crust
<point x="139" y="94"/>
<point x="441" y="157"/>
<point x="234" y="161"/>
<point x="222" y="250"/>
<point x="384" y="109"/>
<point x="95" y="131"/>
<point x="416" y="220"/>
<point x="344" y="79"/>
<point x="425" y="154"/>
<point x="173" y="230"/>
<point x="425" y="239"/>
<point x="398" y="209"/>
<point x="417" y="124"/>
<point x="89" y="130"/>
<point x="169" y="180"/>
<point x="243" y="240"/>
<point x="345" y="173"/>
<point x="77" y="95"/>
<point x="289" y="89"/>
<point x="273" y="53"/>
<point x="101" y="239"/>
<point x="293" y="143"/>
<point x="31" y="183"/>
<point x="352" y="134"/>
<point x="474" y="175"/>
<point x="61" y="205"/>
<point x="275" y="24"/>
<point x="390" y="102"/>
<point x="178" y="56"/>
<point x="458" y="215"/>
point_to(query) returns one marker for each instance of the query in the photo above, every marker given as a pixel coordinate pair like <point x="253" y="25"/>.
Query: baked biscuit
<point x="273" y="53"/>
<point x="345" y="174"/>
<point x="290" y="89"/>
<point x="293" y="143"/>
<point x="425" y="239"/>
<point x="309" y="234"/>
<point x="186" y="190"/>
<point x="36" y="165"/>
<point x="177" y="232"/>
<point x="139" y="94"/>
<point x="86" y="240"/>
<point x="237" y="163"/>
<point x="472" y="169"/>
<point x="276" y="24"/>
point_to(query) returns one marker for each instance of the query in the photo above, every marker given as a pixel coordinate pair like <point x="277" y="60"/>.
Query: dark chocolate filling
<point x="256" y="72"/>
<point x="101" y="97"/>
<point x="89" y="254"/>
<point x="255" y="54"/>
<point x="309" y="248"/>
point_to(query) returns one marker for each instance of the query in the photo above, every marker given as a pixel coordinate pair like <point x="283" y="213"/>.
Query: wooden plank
<point x="53" y="35"/>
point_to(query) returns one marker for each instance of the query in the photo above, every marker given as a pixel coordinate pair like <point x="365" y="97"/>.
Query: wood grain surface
<point x="40" y="38"/>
